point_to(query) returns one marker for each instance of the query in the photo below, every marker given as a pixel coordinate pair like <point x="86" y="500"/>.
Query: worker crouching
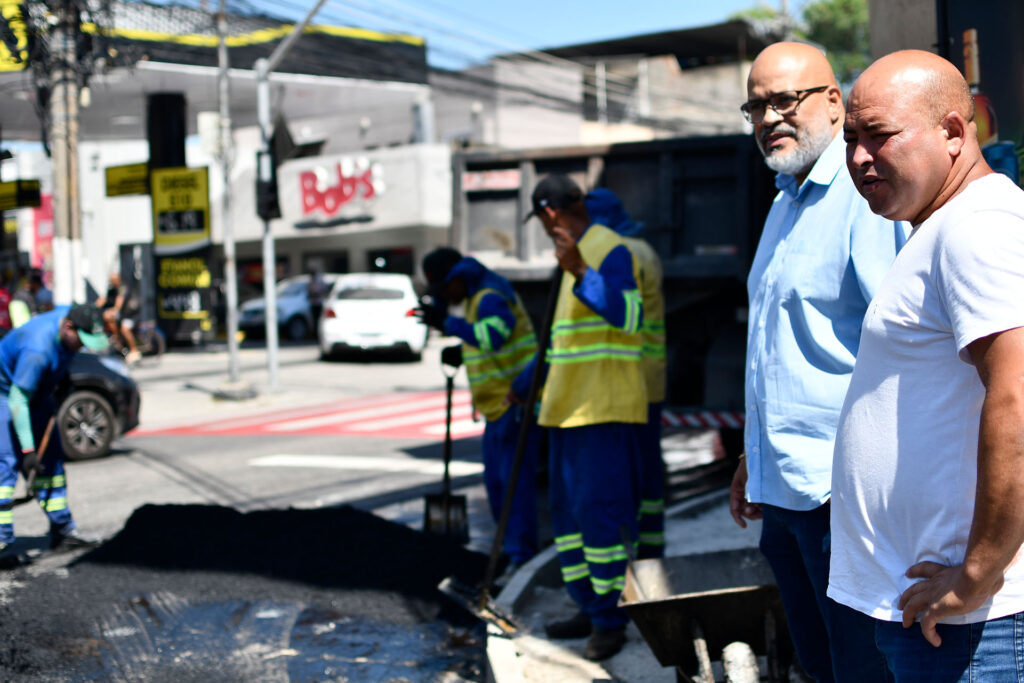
<point x="497" y="343"/>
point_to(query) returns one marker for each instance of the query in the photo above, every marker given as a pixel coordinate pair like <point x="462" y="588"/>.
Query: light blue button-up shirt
<point x="820" y="259"/>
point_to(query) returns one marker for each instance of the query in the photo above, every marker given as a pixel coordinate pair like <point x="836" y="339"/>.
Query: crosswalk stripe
<point x="457" y="468"/>
<point x="409" y="419"/>
<point x="341" y="417"/>
<point x="459" y="427"/>
<point x="297" y="413"/>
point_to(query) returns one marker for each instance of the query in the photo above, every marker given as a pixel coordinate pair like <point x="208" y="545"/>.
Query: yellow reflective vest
<point x="653" y="328"/>
<point x="596" y="372"/>
<point x="491" y="371"/>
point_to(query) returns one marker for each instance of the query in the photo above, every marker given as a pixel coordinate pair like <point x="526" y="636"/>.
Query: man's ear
<point x="956" y="130"/>
<point x="835" y="103"/>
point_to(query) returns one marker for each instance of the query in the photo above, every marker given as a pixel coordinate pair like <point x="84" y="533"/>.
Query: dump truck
<point x="702" y="203"/>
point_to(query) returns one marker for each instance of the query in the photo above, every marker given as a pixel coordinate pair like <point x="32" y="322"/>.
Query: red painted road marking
<point x="400" y="416"/>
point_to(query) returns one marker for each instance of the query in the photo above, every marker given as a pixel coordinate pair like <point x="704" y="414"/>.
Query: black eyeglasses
<point x="784" y="103"/>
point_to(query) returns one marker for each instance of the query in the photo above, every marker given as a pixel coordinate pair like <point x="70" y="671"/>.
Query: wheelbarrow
<point x="689" y="608"/>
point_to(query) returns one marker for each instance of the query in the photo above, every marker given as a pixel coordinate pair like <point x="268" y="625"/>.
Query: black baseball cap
<point x="557" y="191"/>
<point x="88" y="322"/>
<point x="436" y="266"/>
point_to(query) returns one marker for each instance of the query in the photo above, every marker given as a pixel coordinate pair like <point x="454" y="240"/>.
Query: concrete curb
<point x="526" y="656"/>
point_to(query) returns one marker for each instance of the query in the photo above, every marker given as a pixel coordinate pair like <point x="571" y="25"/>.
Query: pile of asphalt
<point x="189" y="592"/>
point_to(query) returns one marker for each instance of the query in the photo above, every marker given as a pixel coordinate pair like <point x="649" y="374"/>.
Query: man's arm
<point x="21" y="417"/>
<point x="997" y="528"/>
<point x="610" y="291"/>
<point x="494" y="325"/>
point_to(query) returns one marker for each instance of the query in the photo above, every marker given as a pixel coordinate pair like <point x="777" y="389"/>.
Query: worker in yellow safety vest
<point x="497" y="343"/>
<point x="595" y="402"/>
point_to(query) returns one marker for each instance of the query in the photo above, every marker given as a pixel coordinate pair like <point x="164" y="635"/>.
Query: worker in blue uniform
<point x="497" y="343"/>
<point x="605" y="208"/>
<point x="33" y="359"/>
<point x="595" y="404"/>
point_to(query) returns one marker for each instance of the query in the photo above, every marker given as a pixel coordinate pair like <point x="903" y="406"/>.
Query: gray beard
<point x="810" y="145"/>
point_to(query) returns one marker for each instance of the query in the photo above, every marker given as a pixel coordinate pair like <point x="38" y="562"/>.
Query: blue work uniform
<point x="497" y="345"/>
<point x="596" y="405"/>
<point x="33" y="359"/>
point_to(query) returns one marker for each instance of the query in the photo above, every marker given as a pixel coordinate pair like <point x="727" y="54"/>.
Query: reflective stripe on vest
<point x="652" y="330"/>
<point x="491" y="371"/>
<point x="596" y="372"/>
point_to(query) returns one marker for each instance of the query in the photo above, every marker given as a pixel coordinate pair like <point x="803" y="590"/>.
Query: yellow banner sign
<point x="11" y="10"/>
<point x="18" y="194"/>
<point x="127" y="179"/>
<point x="181" y="209"/>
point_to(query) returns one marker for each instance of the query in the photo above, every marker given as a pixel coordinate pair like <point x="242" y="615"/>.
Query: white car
<point x="294" y="315"/>
<point x="371" y="311"/>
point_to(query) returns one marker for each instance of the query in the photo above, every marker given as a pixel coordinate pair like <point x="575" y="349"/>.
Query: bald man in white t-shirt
<point x="928" y="477"/>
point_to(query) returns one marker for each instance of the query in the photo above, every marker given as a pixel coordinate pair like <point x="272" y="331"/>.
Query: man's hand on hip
<point x="738" y="505"/>
<point x="944" y="592"/>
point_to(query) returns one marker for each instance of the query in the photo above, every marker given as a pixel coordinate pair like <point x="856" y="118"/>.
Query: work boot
<point x="604" y="643"/>
<point x="576" y="626"/>
<point x="71" y="540"/>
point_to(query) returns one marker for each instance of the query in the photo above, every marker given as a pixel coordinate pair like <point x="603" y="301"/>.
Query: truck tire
<point x="87" y="425"/>
<point x="740" y="664"/>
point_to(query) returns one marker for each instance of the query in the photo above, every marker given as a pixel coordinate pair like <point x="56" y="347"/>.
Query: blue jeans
<point x="833" y="642"/>
<point x="988" y="651"/>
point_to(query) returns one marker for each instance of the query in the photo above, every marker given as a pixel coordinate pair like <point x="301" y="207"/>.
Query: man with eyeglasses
<point x="821" y="256"/>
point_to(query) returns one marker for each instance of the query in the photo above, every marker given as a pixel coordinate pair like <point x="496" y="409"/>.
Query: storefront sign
<point x="181" y="209"/>
<point x="18" y="194"/>
<point x="126" y="180"/>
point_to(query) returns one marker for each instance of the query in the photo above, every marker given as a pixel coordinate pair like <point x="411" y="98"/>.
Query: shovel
<point x="30" y="479"/>
<point x="445" y="514"/>
<point x="479" y="601"/>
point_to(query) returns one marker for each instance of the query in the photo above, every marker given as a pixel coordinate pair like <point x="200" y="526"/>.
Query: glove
<point x="452" y="356"/>
<point x="30" y="464"/>
<point x="432" y="316"/>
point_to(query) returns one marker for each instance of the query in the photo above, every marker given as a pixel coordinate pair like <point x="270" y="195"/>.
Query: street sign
<point x="127" y="179"/>
<point x="17" y="194"/>
<point x="181" y="209"/>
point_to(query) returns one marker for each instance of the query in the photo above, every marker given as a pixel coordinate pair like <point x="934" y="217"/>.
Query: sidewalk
<point x="535" y="595"/>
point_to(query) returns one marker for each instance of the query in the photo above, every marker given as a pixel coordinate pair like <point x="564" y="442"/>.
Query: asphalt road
<point x="296" y="448"/>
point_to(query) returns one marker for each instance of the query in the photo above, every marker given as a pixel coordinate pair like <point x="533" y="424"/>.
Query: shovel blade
<point x="446" y="516"/>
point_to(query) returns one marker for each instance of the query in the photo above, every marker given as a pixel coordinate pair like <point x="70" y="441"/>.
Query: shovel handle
<point x="524" y="435"/>
<point x="44" y="443"/>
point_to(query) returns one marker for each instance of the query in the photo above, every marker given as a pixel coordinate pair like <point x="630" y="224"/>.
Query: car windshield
<point x="368" y="293"/>
<point x="291" y="288"/>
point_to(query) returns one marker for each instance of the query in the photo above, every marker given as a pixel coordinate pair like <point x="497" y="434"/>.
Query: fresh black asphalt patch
<point x="202" y="593"/>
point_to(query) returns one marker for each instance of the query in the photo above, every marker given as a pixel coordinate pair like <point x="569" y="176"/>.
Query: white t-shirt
<point x="906" y="454"/>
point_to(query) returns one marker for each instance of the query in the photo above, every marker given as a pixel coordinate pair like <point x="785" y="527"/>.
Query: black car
<point x="98" y="401"/>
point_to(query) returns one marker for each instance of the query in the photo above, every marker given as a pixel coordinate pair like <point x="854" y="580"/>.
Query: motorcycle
<point x="149" y="340"/>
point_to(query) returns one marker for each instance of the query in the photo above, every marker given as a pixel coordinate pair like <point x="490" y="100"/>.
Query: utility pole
<point x="63" y="114"/>
<point x="263" y="68"/>
<point x="226" y="157"/>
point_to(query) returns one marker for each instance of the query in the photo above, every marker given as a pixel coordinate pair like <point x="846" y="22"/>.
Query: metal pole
<point x="269" y="257"/>
<point x="226" y="153"/>
<point x="64" y="147"/>
<point x="263" y="69"/>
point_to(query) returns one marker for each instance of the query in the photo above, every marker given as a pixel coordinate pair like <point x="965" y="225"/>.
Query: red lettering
<point x="332" y="198"/>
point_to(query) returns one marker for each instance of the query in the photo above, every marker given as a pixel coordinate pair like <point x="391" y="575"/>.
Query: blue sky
<point x="462" y="31"/>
